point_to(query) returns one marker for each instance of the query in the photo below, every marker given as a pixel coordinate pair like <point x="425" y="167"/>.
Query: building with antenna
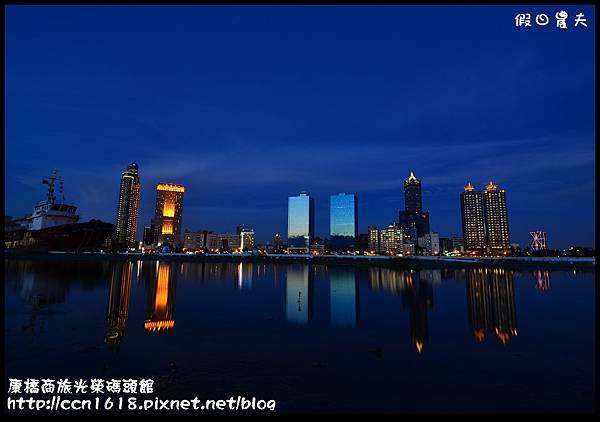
<point x="413" y="220"/>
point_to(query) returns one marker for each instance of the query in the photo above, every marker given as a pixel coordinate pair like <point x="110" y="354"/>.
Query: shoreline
<point x="417" y="262"/>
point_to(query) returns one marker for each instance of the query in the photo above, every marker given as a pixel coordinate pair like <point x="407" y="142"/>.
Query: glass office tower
<point x="343" y="220"/>
<point x="301" y="222"/>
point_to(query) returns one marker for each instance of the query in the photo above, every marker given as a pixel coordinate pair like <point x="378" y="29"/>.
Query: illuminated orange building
<point x="168" y="212"/>
<point x="161" y="299"/>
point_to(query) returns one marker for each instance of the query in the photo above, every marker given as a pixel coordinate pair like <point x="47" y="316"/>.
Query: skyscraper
<point x="168" y="211"/>
<point x="412" y="194"/>
<point x="485" y="219"/>
<point x="127" y="208"/>
<point x="343" y="220"/>
<point x="496" y="218"/>
<point x="413" y="220"/>
<point x="473" y="221"/>
<point x="301" y="222"/>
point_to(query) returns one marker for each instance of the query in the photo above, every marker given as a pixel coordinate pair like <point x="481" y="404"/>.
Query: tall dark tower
<point x="412" y="194"/>
<point x="127" y="209"/>
<point x="414" y="222"/>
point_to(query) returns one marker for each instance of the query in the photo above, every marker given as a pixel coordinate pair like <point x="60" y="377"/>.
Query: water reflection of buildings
<point x="416" y="289"/>
<point x="299" y="293"/>
<point x="417" y="296"/>
<point x="118" y="302"/>
<point x="395" y="281"/>
<point x="244" y="275"/>
<point x="491" y="303"/>
<point x="542" y="279"/>
<point x="344" y="296"/>
<point x="39" y="290"/>
<point x="386" y="279"/>
<point x="37" y="283"/>
<point x="161" y="297"/>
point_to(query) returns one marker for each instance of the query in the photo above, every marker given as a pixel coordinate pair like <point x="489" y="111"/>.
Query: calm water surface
<point x="315" y="338"/>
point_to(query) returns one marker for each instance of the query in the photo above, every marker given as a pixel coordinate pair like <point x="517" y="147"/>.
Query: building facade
<point x="446" y="245"/>
<point x="128" y="206"/>
<point x="195" y="240"/>
<point x="246" y="240"/>
<point x="430" y="243"/>
<point x="496" y="218"/>
<point x="301" y="222"/>
<point x="413" y="220"/>
<point x="391" y="239"/>
<point x="485" y="220"/>
<point x="223" y="241"/>
<point x="473" y="221"/>
<point x="374" y="240"/>
<point x="168" y="212"/>
<point x="205" y="239"/>
<point x="458" y="244"/>
<point x="151" y="234"/>
<point x="343" y="222"/>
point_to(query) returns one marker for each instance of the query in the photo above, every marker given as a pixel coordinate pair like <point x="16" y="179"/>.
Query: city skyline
<point x="335" y="111"/>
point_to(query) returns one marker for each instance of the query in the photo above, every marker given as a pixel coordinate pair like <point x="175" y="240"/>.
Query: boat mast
<point x="50" y="182"/>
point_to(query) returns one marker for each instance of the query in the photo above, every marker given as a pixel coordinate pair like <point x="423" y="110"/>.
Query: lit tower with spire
<point x="414" y="222"/>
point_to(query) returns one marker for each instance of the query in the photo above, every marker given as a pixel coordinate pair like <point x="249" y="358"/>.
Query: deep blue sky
<point x="248" y="105"/>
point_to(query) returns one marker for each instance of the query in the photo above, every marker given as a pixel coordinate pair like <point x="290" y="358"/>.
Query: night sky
<point x="246" y="106"/>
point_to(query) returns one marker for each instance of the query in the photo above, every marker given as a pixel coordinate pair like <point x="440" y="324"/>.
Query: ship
<point x="54" y="226"/>
<point x="49" y="212"/>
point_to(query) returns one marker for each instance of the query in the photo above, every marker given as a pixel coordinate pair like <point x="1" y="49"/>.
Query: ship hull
<point x="79" y="237"/>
